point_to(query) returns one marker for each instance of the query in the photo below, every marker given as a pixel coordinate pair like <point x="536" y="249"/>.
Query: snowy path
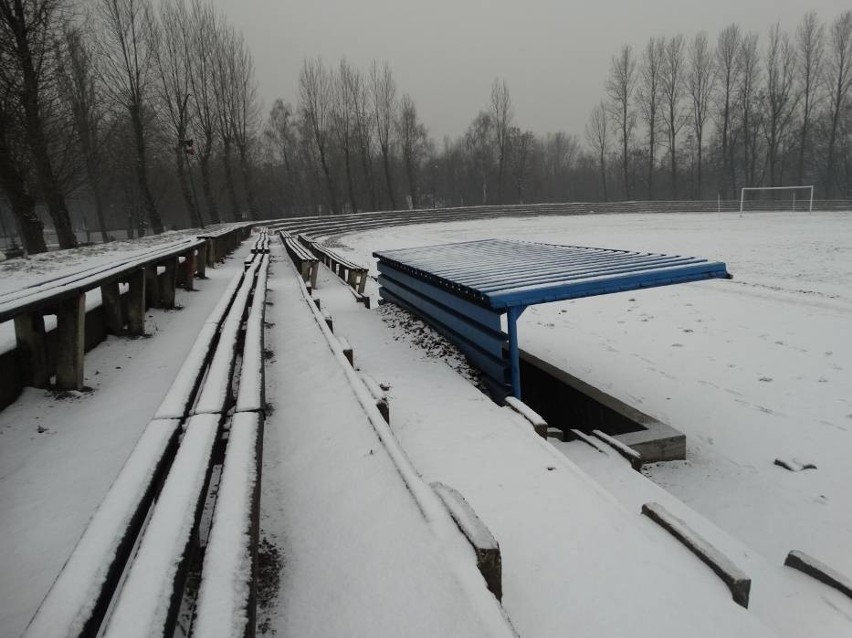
<point x="572" y="556"/>
<point x="359" y="558"/>
<point x="750" y="369"/>
<point x="58" y="456"/>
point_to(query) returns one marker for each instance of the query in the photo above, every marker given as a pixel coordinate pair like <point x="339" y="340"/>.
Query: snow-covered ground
<point x="752" y="369"/>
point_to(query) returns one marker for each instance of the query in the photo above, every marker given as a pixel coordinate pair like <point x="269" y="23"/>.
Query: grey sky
<point x="445" y="53"/>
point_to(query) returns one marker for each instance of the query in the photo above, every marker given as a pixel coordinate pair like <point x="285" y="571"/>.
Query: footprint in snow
<point x="765" y="379"/>
<point x="677" y="345"/>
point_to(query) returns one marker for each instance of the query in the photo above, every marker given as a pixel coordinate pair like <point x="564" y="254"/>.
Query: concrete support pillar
<point x="189" y="270"/>
<point x="29" y="332"/>
<point x="201" y="261"/>
<point x="169" y="283"/>
<point x="111" y="302"/>
<point x="136" y="303"/>
<point x="71" y="342"/>
<point x="152" y="286"/>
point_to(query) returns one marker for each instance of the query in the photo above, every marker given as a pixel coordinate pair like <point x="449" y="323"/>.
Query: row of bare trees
<point x="682" y="118"/>
<point x="742" y="111"/>
<point x="352" y="143"/>
<point x="119" y="106"/>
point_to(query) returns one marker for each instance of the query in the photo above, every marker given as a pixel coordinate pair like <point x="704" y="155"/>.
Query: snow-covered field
<point x="751" y="370"/>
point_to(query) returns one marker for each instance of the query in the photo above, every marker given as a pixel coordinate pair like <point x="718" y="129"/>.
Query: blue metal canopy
<point x="464" y="288"/>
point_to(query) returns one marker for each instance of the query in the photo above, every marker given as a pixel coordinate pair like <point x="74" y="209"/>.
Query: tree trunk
<point x="212" y="209"/>
<point x="388" y="181"/>
<point x="700" y="188"/>
<point x="624" y="161"/>
<point x="95" y="185"/>
<point x="651" y="148"/>
<point x="349" y="181"/>
<point x="183" y="182"/>
<point x="247" y="184"/>
<point x="603" y="177"/>
<point x="366" y="164"/>
<point x="51" y="191"/>
<point x="30" y="227"/>
<point x="142" y="171"/>
<point x="229" y="180"/>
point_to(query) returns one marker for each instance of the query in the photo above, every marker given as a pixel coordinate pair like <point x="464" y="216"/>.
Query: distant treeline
<point x="119" y="114"/>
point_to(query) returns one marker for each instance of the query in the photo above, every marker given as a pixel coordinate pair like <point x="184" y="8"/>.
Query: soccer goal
<point x="806" y="196"/>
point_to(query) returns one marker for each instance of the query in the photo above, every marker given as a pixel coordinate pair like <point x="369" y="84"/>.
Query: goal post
<point x="809" y="194"/>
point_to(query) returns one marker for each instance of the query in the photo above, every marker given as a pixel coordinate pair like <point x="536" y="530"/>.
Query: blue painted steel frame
<point x="471" y="318"/>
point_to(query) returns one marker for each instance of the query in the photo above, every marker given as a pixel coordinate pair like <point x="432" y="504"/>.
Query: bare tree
<point x="223" y="99"/>
<point x="414" y="145"/>
<point x="502" y="117"/>
<point x="243" y="115"/>
<point x="728" y="68"/>
<point x="560" y="152"/>
<point x="80" y="88"/>
<point x="281" y="133"/>
<point x="172" y="54"/>
<point x="364" y="127"/>
<point x="838" y="70"/>
<point x="649" y="97"/>
<point x="673" y="88"/>
<point x="202" y="77"/>
<point x="781" y="98"/>
<point x="597" y="136"/>
<point x="345" y="93"/>
<point x="523" y="147"/>
<point x="14" y="170"/>
<point x="810" y="38"/>
<point x="29" y="30"/>
<point x="702" y="77"/>
<point x="315" y="96"/>
<point x="479" y="144"/>
<point x="383" y="88"/>
<point x="620" y="87"/>
<point x="750" y="114"/>
<point x="127" y="36"/>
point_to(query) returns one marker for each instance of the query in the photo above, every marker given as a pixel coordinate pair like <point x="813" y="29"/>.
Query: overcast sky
<point x="445" y="53"/>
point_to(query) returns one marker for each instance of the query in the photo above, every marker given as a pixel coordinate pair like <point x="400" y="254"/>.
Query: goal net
<point x="777" y="198"/>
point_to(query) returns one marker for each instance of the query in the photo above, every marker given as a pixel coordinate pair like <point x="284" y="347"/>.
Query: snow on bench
<point x="220" y="241"/>
<point x="261" y="244"/>
<point x="188" y="379"/>
<point x="820" y="571"/>
<point x="737" y="581"/>
<point x="227" y="593"/>
<point x="485" y="546"/>
<point x="78" y="599"/>
<point x="250" y="396"/>
<point x="304" y="259"/>
<point x="628" y="453"/>
<point x="350" y="272"/>
<point x="379" y="395"/>
<point x="216" y="389"/>
<point x="538" y="423"/>
<point x="149" y="600"/>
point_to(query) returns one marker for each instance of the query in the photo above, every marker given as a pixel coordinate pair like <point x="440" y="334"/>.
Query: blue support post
<point x="514" y="358"/>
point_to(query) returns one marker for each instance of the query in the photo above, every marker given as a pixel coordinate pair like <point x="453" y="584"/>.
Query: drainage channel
<point x="566" y="402"/>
